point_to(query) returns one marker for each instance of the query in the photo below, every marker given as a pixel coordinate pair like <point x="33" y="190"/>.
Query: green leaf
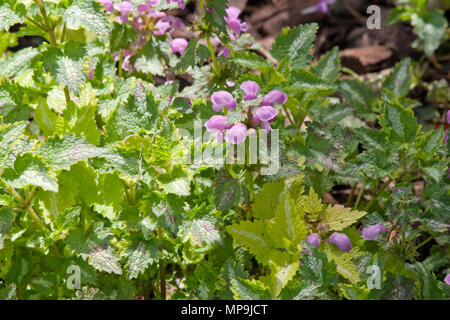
<point x="6" y="219"/>
<point x="87" y="14"/>
<point x="30" y="170"/>
<point x="177" y="182"/>
<point x="228" y="192"/>
<point x="121" y="36"/>
<point x="337" y="217"/>
<point x="67" y="66"/>
<point x="244" y="289"/>
<point x="399" y="79"/>
<point x="345" y="266"/>
<point x="317" y="267"/>
<point x="267" y="200"/>
<point x="328" y="66"/>
<point x="357" y="94"/>
<point x="140" y="257"/>
<point x="18" y="62"/>
<point x="254" y="237"/>
<point x="95" y="248"/>
<point x="288" y="223"/>
<point x="137" y="114"/>
<point x="234" y="116"/>
<point x="431" y="30"/>
<point x="62" y="153"/>
<point x="200" y="232"/>
<point x="11" y="13"/>
<point x="399" y="122"/>
<point x="10" y="134"/>
<point x="249" y="60"/>
<point x="216" y="17"/>
<point x="295" y="44"/>
<point x="428" y="288"/>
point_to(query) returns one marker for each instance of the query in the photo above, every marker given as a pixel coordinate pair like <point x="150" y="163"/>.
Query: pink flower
<point x="251" y="132"/>
<point x="225" y="52"/>
<point x="265" y="114"/>
<point x="181" y="3"/>
<point x="109" y="5"/>
<point x="274" y="96"/>
<point x="161" y="28"/>
<point x="223" y="99"/>
<point x="251" y="90"/>
<point x="124" y="7"/>
<point x="372" y="232"/>
<point x="217" y="124"/>
<point x="314" y="239"/>
<point x="237" y="134"/>
<point x="234" y="23"/>
<point x="341" y="241"/>
<point x="447" y="279"/>
<point x="146" y="7"/>
<point x="178" y="45"/>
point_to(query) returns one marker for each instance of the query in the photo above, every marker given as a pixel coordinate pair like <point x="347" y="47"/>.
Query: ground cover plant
<point x="144" y="157"/>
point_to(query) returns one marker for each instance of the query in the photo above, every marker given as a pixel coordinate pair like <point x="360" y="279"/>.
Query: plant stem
<point x="162" y="269"/>
<point x="27" y="207"/>
<point x="209" y="45"/>
<point x="47" y="22"/>
<point x="424" y="242"/>
<point x="49" y="29"/>
<point x="352" y="194"/>
<point x="375" y="198"/>
<point x="359" y="197"/>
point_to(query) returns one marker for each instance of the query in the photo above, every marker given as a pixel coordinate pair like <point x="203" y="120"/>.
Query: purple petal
<point x="236" y="134"/>
<point x="225" y="52"/>
<point x="314" y="239"/>
<point x="445" y="137"/>
<point x="341" y="241"/>
<point x="217" y="123"/>
<point x="233" y="12"/>
<point x="372" y="232"/>
<point x="179" y="45"/>
<point x="251" y="90"/>
<point x="274" y="96"/>
<point x="447" y="279"/>
<point x="234" y="25"/>
<point x="162" y="28"/>
<point x="266" y="113"/>
<point x="109" y="5"/>
<point x="223" y="99"/>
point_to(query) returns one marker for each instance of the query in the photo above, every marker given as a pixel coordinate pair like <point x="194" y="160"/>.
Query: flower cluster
<point x="146" y="21"/>
<point x="342" y="241"/>
<point x="263" y="115"/>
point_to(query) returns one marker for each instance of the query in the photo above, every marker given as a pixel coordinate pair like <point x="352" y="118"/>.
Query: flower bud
<point x="372" y="232"/>
<point x="314" y="239"/>
<point x="341" y="241"/>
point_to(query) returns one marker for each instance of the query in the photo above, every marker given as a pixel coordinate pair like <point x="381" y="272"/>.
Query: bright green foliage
<point x="86" y="14"/>
<point x="11" y="12"/>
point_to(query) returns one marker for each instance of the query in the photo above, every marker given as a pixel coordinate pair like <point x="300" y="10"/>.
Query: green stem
<point x="162" y="269"/>
<point x="27" y="207"/>
<point x="50" y="31"/>
<point x="359" y="197"/>
<point x="213" y="56"/>
<point x="375" y="198"/>
<point x="424" y="242"/>
<point x="208" y="43"/>
<point x="351" y="196"/>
